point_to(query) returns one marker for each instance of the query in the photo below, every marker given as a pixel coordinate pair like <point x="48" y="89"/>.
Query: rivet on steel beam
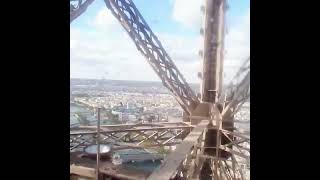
<point x="202" y="9"/>
<point x="201" y="31"/>
<point x="199" y="75"/>
<point x="200" y="53"/>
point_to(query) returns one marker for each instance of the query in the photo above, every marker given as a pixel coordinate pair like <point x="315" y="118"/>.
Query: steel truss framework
<point x="148" y="44"/>
<point x="186" y="162"/>
<point x="77" y="7"/>
<point x="138" y="135"/>
<point x="189" y="159"/>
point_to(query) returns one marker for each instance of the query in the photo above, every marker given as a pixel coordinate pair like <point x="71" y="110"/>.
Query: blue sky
<point x="100" y="47"/>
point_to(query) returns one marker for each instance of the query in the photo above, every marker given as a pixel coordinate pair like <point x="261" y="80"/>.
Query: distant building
<point x="130" y="105"/>
<point x="124" y="117"/>
<point x="132" y="118"/>
<point x="127" y="116"/>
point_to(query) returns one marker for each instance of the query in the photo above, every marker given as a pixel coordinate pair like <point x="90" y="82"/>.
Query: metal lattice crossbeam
<point x="149" y="45"/>
<point x="154" y="136"/>
<point x="180" y="162"/>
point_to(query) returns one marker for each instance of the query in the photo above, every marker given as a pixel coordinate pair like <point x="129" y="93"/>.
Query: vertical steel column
<point x="213" y="50"/>
<point x="98" y="145"/>
<point x="220" y="49"/>
<point x="212" y="76"/>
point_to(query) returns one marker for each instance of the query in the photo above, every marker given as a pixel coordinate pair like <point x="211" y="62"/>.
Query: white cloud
<point x="104" y="19"/>
<point x="237" y="45"/>
<point x="107" y="50"/>
<point x="117" y="55"/>
<point x="237" y="41"/>
<point x="187" y="13"/>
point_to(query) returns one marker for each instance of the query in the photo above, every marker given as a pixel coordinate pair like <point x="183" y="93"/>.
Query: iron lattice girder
<point x="240" y="82"/>
<point x="159" y="136"/>
<point x="238" y="91"/>
<point x="213" y="50"/>
<point x="149" y="45"/>
<point x="78" y="7"/>
<point x="174" y="162"/>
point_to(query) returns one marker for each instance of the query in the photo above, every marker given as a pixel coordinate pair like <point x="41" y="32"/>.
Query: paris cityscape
<point x="130" y="102"/>
<point x="160" y="90"/>
<point x="124" y="102"/>
<point x="121" y="102"/>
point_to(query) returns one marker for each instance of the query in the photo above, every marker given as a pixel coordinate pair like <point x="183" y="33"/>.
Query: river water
<point x="87" y="114"/>
<point x="74" y="108"/>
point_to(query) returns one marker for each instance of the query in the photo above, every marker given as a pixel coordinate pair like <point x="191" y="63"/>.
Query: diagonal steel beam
<point x="78" y="7"/>
<point x="148" y="44"/>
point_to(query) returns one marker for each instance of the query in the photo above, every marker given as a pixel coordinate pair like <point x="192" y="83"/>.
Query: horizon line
<point x="124" y="80"/>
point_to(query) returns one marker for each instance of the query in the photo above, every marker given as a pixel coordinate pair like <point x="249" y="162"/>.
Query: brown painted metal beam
<point x="213" y="50"/>
<point x="83" y="171"/>
<point x="132" y="130"/>
<point x="148" y="44"/>
<point x="174" y="160"/>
